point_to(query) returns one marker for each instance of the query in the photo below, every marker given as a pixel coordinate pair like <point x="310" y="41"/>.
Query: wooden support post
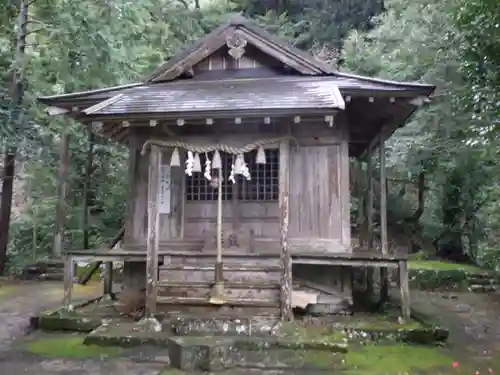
<point x="62" y="189"/>
<point x="404" y="289"/>
<point x="217" y="294"/>
<point x="86" y="187"/>
<point x="152" y="239"/>
<point x="218" y="265"/>
<point x="183" y="201"/>
<point x="235" y="209"/>
<point x="108" y="280"/>
<point x="369" y="214"/>
<point x="285" y="256"/>
<point x="384" y="279"/>
<point x="68" y="282"/>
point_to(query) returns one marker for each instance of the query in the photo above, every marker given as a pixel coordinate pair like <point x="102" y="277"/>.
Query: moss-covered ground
<point x="440" y="265"/>
<point x="6" y="290"/>
<point x="68" y="346"/>
<point x="395" y="359"/>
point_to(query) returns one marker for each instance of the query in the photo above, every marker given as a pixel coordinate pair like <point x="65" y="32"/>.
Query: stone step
<point x="484" y="288"/>
<point x="220" y="326"/>
<point x="220" y="353"/>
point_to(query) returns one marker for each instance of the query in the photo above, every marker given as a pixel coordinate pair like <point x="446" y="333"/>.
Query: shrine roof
<point x="283" y="92"/>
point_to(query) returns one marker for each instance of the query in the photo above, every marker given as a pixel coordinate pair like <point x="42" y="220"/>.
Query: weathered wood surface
<point x="319" y="192"/>
<point x="108" y="279"/>
<point x="62" y="192"/>
<point x="230" y="291"/>
<point x="153" y="232"/>
<point x="285" y="256"/>
<point x="68" y="281"/>
<point x="404" y="289"/>
<point x="384" y="276"/>
<point x="369" y="217"/>
<point x="206" y="274"/>
<point x="134" y="159"/>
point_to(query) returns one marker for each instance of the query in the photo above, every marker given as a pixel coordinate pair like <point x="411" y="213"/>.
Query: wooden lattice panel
<point x="263" y="186"/>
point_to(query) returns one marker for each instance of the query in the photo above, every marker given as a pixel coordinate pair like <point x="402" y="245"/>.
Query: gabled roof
<point x="253" y="34"/>
<point x="278" y="94"/>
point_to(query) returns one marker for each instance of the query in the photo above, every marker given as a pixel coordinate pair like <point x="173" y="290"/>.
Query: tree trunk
<point x="5" y="213"/>
<point x="17" y="92"/>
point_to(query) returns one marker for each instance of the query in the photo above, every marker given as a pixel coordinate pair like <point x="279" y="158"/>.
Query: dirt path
<point x="24" y="301"/>
<point x="473" y="320"/>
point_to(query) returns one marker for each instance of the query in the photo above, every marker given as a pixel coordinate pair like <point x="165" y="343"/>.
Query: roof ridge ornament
<point x="236" y="44"/>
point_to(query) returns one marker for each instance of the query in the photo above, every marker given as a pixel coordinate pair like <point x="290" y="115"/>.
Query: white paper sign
<point x="164" y="190"/>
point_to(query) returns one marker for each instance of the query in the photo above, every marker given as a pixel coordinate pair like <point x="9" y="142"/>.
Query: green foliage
<point x="422" y="41"/>
<point x="479" y="24"/>
<point x="453" y="44"/>
<point x="77" y="46"/>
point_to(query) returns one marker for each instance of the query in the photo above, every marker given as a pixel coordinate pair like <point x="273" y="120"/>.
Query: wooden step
<point x="227" y="284"/>
<point x="248" y="289"/>
<point x="232" y="268"/>
<point x="206" y="301"/>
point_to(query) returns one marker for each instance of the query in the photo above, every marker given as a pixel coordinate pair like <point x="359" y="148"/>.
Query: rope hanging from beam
<point x="193" y="164"/>
<point x="221" y="147"/>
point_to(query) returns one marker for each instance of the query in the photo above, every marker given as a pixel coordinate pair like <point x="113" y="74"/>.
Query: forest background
<point x="443" y="174"/>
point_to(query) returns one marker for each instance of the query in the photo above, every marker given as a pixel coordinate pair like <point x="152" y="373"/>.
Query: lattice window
<point x="263" y="186"/>
<point x="198" y="187"/>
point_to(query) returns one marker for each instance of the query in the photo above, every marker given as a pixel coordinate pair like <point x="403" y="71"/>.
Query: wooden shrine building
<point x="239" y="169"/>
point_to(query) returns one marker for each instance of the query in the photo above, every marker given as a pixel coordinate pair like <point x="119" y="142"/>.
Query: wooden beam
<point x="153" y="231"/>
<point x="384" y="279"/>
<point x="285" y="256"/>
<point x="62" y="190"/>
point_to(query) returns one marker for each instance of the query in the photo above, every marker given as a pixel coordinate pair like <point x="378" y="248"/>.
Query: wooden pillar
<point x="404" y="288"/>
<point x="219" y="277"/>
<point x="285" y="256"/>
<point x="153" y="231"/>
<point x="62" y="188"/>
<point x="86" y="187"/>
<point x="68" y="282"/>
<point x="183" y="200"/>
<point x="133" y="161"/>
<point x="384" y="279"/>
<point x="369" y="217"/>
<point x="235" y="209"/>
<point x="108" y="280"/>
